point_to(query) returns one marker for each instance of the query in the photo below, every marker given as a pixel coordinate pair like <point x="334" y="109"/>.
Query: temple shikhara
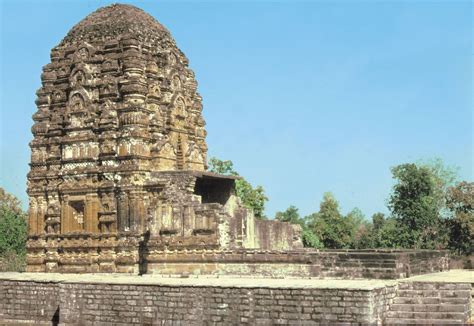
<point x="118" y="179"/>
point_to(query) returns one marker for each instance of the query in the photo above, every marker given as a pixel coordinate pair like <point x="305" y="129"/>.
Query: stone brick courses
<point x="86" y="304"/>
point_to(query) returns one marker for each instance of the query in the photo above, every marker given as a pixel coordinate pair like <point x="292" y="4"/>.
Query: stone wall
<point x="117" y="299"/>
<point x="272" y="234"/>
<point x="87" y="304"/>
<point x="348" y="264"/>
<point x="126" y="257"/>
<point x="29" y="302"/>
<point x="424" y="261"/>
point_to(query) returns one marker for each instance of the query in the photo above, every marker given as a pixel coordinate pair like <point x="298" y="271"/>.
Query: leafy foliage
<point x="364" y="237"/>
<point x="380" y="233"/>
<point x="310" y="239"/>
<point x="390" y="235"/>
<point x="13" y="233"/>
<point x="10" y="202"/>
<point x="427" y="211"/>
<point x="291" y="215"/>
<point x="415" y="207"/>
<point x="378" y="221"/>
<point x="358" y="228"/>
<point x="221" y="166"/>
<point x="460" y="202"/>
<point x="329" y="225"/>
<point x="251" y="197"/>
<point x="443" y="177"/>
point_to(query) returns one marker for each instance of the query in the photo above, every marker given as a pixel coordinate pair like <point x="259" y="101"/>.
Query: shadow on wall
<point x="214" y="189"/>
<point x="55" y="319"/>
<point x="143" y="264"/>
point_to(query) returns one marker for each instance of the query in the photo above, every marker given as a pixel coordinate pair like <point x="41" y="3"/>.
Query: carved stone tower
<point x="119" y="152"/>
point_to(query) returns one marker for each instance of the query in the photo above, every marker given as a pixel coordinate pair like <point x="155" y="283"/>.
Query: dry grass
<point x="12" y="262"/>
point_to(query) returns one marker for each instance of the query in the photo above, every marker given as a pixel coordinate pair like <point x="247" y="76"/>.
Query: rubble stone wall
<point x="29" y="302"/>
<point x="52" y="301"/>
<point x="87" y="304"/>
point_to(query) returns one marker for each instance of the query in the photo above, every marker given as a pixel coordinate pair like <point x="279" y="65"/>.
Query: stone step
<point x="430" y="300"/>
<point x="429" y="307"/>
<point x="433" y="286"/>
<point x="434" y="293"/>
<point x="410" y="321"/>
<point x="448" y="315"/>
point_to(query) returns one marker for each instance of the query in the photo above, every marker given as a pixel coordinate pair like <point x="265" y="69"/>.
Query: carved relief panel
<point x="52" y="216"/>
<point x="205" y="221"/>
<point x="108" y="213"/>
<point x="36" y="216"/>
<point x="168" y="220"/>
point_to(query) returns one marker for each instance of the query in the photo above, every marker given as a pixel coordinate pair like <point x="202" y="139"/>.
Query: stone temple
<point x="118" y="180"/>
<point x="118" y="160"/>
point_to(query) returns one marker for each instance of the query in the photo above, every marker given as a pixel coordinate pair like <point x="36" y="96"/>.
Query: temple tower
<point x="117" y="102"/>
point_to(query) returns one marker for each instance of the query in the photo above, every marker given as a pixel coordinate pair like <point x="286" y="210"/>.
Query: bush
<point x="460" y="226"/>
<point x="13" y="234"/>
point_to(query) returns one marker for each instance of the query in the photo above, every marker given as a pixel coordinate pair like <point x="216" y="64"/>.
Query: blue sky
<point x="303" y="97"/>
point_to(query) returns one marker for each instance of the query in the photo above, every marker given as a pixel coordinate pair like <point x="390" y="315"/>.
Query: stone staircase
<point x="430" y="303"/>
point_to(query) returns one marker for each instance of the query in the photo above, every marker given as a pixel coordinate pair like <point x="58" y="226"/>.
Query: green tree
<point x="221" y="166"/>
<point x="10" y="202"/>
<point x="371" y="232"/>
<point x="290" y="215"/>
<point x="460" y="202"/>
<point x="13" y="233"/>
<point x="414" y="205"/>
<point x="364" y="236"/>
<point x="378" y="220"/>
<point x="310" y="239"/>
<point x="330" y="225"/>
<point x="390" y="235"/>
<point x="251" y="197"/>
<point x="356" y="222"/>
<point x="359" y="229"/>
<point x="443" y="177"/>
